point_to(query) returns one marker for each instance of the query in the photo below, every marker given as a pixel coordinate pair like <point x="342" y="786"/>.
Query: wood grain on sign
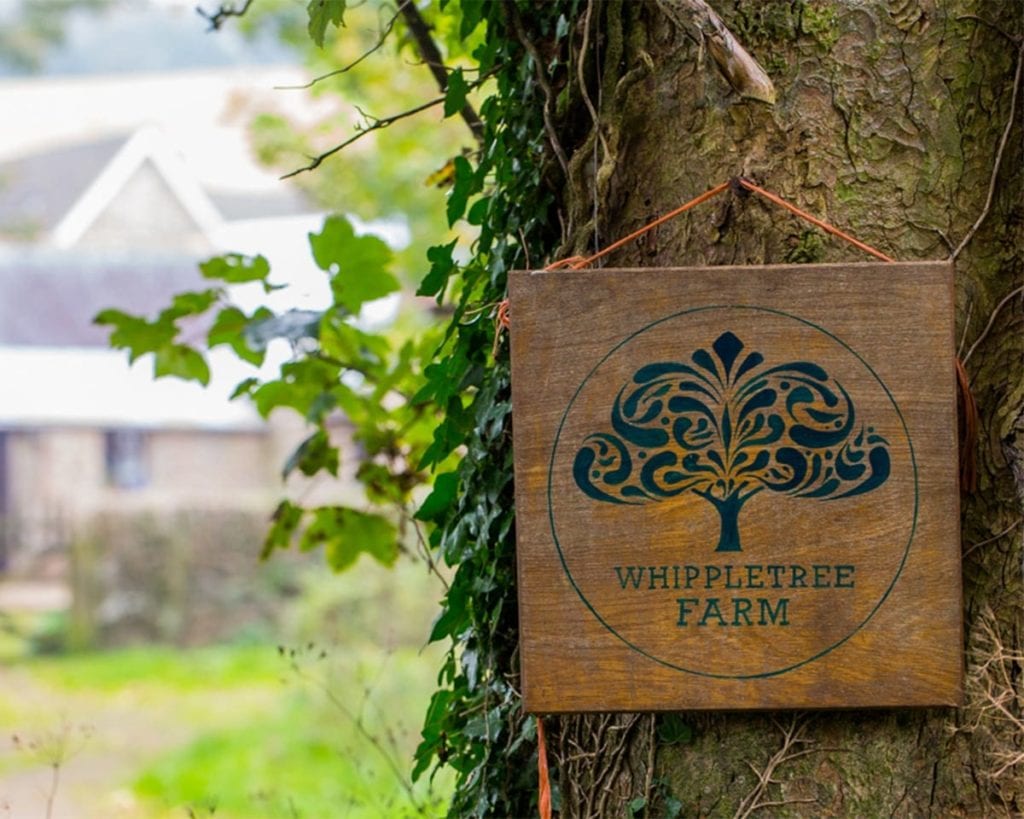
<point x="736" y="487"/>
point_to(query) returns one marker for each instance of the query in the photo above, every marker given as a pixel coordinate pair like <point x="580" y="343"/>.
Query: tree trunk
<point x="889" y="122"/>
<point x="729" y="515"/>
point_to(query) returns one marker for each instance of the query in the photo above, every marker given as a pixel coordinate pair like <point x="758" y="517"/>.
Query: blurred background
<point x="150" y="664"/>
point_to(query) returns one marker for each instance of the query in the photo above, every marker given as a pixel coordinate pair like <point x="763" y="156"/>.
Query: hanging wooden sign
<point x="736" y="487"/>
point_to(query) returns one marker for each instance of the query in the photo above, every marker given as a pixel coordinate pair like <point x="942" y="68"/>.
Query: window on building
<point x="126" y="458"/>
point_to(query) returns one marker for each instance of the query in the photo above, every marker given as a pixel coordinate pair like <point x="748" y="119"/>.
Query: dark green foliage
<point x="475" y="723"/>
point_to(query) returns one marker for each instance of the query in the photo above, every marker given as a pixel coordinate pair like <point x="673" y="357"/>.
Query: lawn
<point x="247" y="731"/>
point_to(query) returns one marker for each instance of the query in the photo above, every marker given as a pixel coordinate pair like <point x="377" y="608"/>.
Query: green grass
<point x="271" y="735"/>
<point x="159" y="666"/>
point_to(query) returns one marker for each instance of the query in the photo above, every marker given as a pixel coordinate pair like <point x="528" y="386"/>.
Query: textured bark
<point x="888" y="122"/>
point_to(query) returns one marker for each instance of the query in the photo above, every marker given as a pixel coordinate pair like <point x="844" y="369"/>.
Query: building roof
<point x="48" y="298"/>
<point x="37" y="190"/>
<point x="56" y="195"/>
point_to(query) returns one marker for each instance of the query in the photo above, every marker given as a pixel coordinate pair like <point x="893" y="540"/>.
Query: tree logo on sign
<point x="726" y="428"/>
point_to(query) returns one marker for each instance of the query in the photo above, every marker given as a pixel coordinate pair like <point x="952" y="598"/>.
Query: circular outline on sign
<point x="558" y="546"/>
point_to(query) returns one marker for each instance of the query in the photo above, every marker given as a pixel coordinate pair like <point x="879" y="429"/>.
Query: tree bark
<point x="888" y="123"/>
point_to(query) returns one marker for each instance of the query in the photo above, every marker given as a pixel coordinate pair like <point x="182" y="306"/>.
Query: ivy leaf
<point x="472" y="14"/>
<point x="462" y="189"/>
<point x="234" y="268"/>
<point x="673" y="730"/>
<point x="455" y="94"/>
<point x="440" y="499"/>
<point x="357" y="264"/>
<point x="321" y="14"/>
<point x="182" y="362"/>
<point x="441" y="267"/>
<point x="347" y="533"/>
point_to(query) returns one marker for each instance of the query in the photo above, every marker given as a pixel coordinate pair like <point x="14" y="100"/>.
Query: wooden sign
<point x="737" y="487"/>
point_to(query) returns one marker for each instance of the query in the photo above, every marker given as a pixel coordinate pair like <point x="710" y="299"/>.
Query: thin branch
<point x="991" y="321"/>
<point x="431" y="55"/>
<point x="344" y="69"/>
<point x="217" y="18"/>
<point x="741" y="70"/>
<point x="357" y="723"/>
<point x="995" y="537"/>
<point x="999" y="156"/>
<point x="375" y="125"/>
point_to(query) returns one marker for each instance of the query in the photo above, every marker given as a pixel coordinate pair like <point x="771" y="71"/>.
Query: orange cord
<point x="782" y="203"/>
<point x="544" y="795"/>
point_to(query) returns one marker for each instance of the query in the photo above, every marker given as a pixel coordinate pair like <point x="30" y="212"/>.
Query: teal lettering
<point x="711" y="609"/>
<point x="754" y="578"/>
<point x="841" y="574"/>
<point x="799" y="573"/>
<point x="775" y="571"/>
<point x="740" y="606"/>
<point x="821" y="574"/>
<point x="728" y="579"/>
<point x="634" y="575"/>
<point x="675" y="571"/>
<point x="684" y="608"/>
<point x="713" y="573"/>
<point x="692" y="573"/>
<point x="654" y="574"/>
<point x="777" y="615"/>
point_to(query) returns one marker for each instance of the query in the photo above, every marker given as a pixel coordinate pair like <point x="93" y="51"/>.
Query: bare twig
<point x="346" y="68"/>
<point x="991" y="321"/>
<point x="216" y="18"/>
<point x="357" y="723"/>
<point x="430" y="54"/>
<point x="994" y="538"/>
<point x="375" y="125"/>
<point x="999" y="156"/>
<point x="424" y="548"/>
<point x="741" y="70"/>
<point x="792" y="737"/>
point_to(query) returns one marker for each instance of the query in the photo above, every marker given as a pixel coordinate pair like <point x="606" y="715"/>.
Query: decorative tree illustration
<point x="728" y="429"/>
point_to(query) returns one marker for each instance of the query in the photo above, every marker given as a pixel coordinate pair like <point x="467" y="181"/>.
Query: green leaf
<point x="347" y="533"/>
<point x="136" y="334"/>
<point x="441" y="267"/>
<point x="190" y="304"/>
<point x="284" y="522"/>
<point x="462" y="189"/>
<point x="234" y="268"/>
<point x="321" y="14"/>
<point x="636" y="805"/>
<point x="673" y="807"/>
<point x="440" y="499"/>
<point x="472" y="14"/>
<point x="244" y="387"/>
<point x="313" y="455"/>
<point x="357" y="264"/>
<point x="182" y="362"/>
<point x="673" y="730"/>
<point x="455" y="94"/>
<point x="230" y="328"/>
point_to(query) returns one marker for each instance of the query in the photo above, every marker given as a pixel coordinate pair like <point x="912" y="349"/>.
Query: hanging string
<point x="544" y="794"/>
<point x="969" y="418"/>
